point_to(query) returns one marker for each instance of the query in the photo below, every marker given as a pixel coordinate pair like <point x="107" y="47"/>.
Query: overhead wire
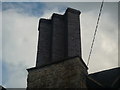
<point x="95" y="32"/>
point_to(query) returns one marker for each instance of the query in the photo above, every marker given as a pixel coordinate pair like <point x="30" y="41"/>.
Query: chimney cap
<point x="73" y="11"/>
<point x="43" y="20"/>
<point x="55" y="15"/>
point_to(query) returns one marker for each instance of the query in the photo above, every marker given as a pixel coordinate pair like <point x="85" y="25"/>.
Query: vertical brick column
<point x="73" y="32"/>
<point x="44" y="42"/>
<point x="58" y="37"/>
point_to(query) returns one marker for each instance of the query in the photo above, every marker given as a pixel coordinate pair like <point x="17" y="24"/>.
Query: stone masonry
<point x="69" y="73"/>
<point x="59" y="61"/>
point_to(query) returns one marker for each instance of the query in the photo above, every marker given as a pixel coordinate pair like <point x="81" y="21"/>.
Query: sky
<point x="20" y="35"/>
<point x="0" y="44"/>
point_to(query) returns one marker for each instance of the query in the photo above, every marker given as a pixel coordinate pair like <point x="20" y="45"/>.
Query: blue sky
<point x="20" y="35"/>
<point x="28" y="8"/>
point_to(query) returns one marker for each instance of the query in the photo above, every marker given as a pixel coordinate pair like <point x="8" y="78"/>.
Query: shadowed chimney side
<point x="44" y="42"/>
<point x="73" y="33"/>
<point x="66" y="38"/>
<point x="58" y="37"/>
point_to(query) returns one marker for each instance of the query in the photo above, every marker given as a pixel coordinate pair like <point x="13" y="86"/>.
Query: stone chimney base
<point x="70" y="73"/>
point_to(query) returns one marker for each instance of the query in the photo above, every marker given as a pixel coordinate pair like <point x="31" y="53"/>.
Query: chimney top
<point x="73" y="11"/>
<point x="42" y="20"/>
<point x="57" y="15"/>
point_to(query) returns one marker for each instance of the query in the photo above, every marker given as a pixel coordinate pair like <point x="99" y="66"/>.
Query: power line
<point x="91" y="48"/>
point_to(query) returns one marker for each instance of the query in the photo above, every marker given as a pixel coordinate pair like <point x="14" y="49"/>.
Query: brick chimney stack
<point x="59" y="60"/>
<point x="59" y="38"/>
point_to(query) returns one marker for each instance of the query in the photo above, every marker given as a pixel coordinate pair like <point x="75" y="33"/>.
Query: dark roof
<point x="107" y="78"/>
<point x="2" y="88"/>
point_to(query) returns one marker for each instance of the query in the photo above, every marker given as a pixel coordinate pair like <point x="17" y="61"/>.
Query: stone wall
<point x="70" y="73"/>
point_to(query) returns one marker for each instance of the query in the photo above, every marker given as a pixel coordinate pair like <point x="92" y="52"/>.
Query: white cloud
<point x="48" y="13"/>
<point x="17" y="76"/>
<point x="19" y="45"/>
<point x="105" y="50"/>
<point x="20" y="36"/>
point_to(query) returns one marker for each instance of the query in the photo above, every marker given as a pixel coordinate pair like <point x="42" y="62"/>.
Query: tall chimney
<point x="59" y="38"/>
<point x="59" y="60"/>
